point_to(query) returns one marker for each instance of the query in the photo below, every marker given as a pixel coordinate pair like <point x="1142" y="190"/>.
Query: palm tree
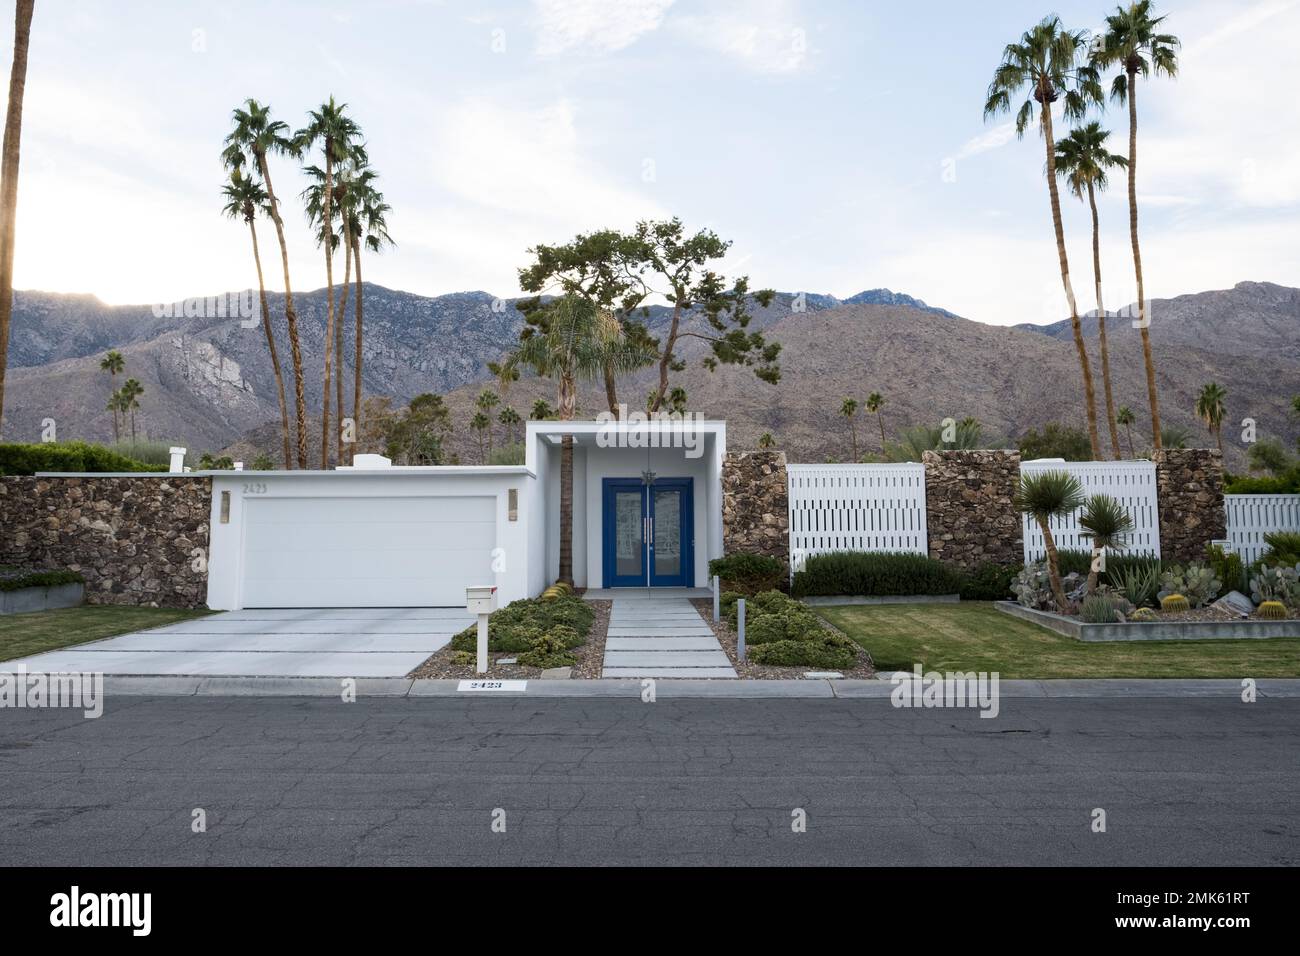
<point x="766" y="440"/>
<point x="849" y="409"/>
<point x="371" y="232"/>
<point x="1210" y="409"/>
<point x="481" y="423"/>
<point x="571" y="340"/>
<point x="1048" y="62"/>
<point x="1108" y="524"/>
<point x="1045" y="495"/>
<point x="1082" y="160"/>
<point x="113" y="363"/>
<point x="1125" y="417"/>
<point x="336" y="134"/>
<point x="9" y="156"/>
<point x="509" y="419"/>
<point x="875" y="402"/>
<point x="257" y="134"/>
<point x="244" y="198"/>
<point x="130" y="394"/>
<point x="116" y="405"/>
<point x="486" y="401"/>
<point x="1133" y="41"/>
<point x="541" y="410"/>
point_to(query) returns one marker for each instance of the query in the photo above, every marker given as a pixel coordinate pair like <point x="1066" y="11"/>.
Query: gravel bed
<point x="590" y="654"/>
<point x="751" y="671"/>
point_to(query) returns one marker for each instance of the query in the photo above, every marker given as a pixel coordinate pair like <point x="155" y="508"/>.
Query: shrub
<point x="1271" y="611"/>
<point x="827" y="650"/>
<point x="1056" y="441"/>
<point x="792" y="623"/>
<point x="875" y="574"/>
<point x="748" y="573"/>
<point x="1288" y="483"/>
<point x="1283" y="549"/>
<point x="1195" y="581"/>
<point x="13" y="580"/>
<point x="989" y="582"/>
<point x="1098" y="609"/>
<point x="28" y="459"/>
<point x="514" y="627"/>
<point x="158" y="453"/>
<point x="550" y="650"/>
<point x="1227" y="567"/>
<point x="1174" y="603"/>
<point x="465" y="658"/>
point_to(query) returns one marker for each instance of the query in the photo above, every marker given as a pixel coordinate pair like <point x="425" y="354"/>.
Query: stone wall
<point x="968" y="511"/>
<point x="132" y="538"/>
<point x="755" y="504"/>
<point x="1189" y="484"/>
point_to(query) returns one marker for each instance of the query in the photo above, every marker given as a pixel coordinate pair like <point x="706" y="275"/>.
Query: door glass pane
<point x="668" y="533"/>
<point x="628" y="545"/>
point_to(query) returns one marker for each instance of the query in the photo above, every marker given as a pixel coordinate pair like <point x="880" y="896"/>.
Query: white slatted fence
<point x="1250" y="517"/>
<point x="856" y="508"/>
<point x="1132" y="483"/>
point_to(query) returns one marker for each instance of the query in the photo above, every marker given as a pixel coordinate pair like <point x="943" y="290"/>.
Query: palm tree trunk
<point x="1101" y="328"/>
<point x="568" y="405"/>
<point x="1218" y="434"/>
<point x="270" y="345"/>
<point x="1089" y="395"/>
<point x="290" y="315"/>
<point x="9" y="156"/>
<point x="1143" y="319"/>
<point x="356" y="364"/>
<point x="327" y="219"/>
<point x="1129" y="430"/>
<point x="880" y="417"/>
<point x="611" y="391"/>
<point x="1053" y="565"/>
<point x="338" y="345"/>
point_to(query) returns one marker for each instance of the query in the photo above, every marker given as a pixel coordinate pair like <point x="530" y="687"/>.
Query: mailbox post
<point x="481" y="601"/>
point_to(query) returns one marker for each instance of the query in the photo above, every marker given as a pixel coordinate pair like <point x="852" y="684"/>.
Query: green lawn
<point x="976" y="637"/>
<point x="24" y="634"/>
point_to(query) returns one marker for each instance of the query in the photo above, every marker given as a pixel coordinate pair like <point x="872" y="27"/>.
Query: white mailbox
<point x="481" y="600"/>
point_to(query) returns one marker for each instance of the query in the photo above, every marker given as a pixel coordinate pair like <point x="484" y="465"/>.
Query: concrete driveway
<point x="279" y="642"/>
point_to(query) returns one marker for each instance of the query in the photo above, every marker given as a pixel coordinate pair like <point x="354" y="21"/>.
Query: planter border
<point x="1152" y="630"/>
<point x="42" y="598"/>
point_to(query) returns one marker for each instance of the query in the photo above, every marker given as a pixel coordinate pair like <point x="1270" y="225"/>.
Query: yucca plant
<point x="1107" y="524"/>
<point x="1043" y="496"/>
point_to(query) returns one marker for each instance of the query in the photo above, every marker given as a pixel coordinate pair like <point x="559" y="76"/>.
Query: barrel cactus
<point x="1174" y="603"/>
<point x="1143" y="614"/>
<point x="1271" y="611"/>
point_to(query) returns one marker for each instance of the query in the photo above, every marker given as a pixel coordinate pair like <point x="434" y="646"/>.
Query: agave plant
<point x="1107" y="524"/>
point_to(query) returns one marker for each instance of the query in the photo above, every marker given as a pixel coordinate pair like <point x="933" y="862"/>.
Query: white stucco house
<point x="647" y="504"/>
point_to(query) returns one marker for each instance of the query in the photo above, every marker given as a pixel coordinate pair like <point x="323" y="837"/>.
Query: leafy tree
<point x="1056" y="441"/>
<point x="113" y="364"/>
<point x="1270" y="456"/>
<point x="1043" y="496"/>
<point x="849" y="409"/>
<point x="262" y="462"/>
<point x="1125" y="417"/>
<point x="1048" y="62"/>
<point x="1082" y="159"/>
<point x="1132" y="40"/>
<point x="258" y="136"/>
<point x="337" y="135"/>
<point x="876" y="402"/>
<point x="570" y="339"/>
<point x="1210" y="409"/>
<point x="1107" y="524"/>
<point x="245" y="198"/>
<point x="417" y="437"/>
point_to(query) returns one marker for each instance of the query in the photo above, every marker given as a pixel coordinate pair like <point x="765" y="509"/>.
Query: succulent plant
<point x="1174" y="603"/>
<point x="1143" y="614"/>
<point x="1271" y="610"/>
<point x="1098" y="609"/>
<point x="1276" y="584"/>
<point x="1196" y="582"/>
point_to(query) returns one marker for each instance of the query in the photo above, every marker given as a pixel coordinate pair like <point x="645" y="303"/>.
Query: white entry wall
<point x="1132" y="483"/>
<point x="388" y="538"/>
<point x="879" y="507"/>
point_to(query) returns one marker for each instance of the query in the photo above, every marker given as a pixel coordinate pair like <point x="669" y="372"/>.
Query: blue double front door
<point x="648" y="535"/>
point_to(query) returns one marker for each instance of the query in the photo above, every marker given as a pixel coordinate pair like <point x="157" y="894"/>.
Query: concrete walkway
<point x="277" y="642"/>
<point x="662" y="637"/>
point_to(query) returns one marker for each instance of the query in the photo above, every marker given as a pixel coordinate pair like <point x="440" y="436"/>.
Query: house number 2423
<point x="254" y="487"/>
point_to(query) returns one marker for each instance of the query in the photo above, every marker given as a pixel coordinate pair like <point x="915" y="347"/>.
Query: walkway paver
<point x="662" y="637"/>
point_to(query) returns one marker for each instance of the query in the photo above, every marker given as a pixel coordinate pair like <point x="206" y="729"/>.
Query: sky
<point x="839" y="146"/>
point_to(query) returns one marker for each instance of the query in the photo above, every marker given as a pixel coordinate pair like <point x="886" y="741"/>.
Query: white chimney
<point x="177" y="465"/>
<point x="239" y="466"/>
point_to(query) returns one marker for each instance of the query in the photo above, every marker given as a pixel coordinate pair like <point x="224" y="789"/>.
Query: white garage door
<point x="366" y="552"/>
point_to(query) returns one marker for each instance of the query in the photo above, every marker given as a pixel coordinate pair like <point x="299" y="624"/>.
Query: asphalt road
<point x="406" y="781"/>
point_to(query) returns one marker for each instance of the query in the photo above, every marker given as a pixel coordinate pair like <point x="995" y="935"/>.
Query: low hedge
<point x="876" y="574"/>
<point x="748" y="573"/>
<point x="827" y="650"/>
<point x="11" y="580"/>
<point x="27" y="459"/>
<point x="520" y="626"/>
<point x="989" y="582"/>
